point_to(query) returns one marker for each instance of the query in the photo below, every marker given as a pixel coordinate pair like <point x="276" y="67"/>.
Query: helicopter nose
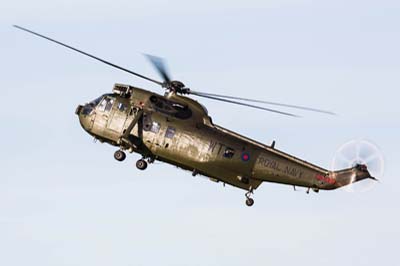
<point x="78" y="109"/>
<point x="84" y="114"/>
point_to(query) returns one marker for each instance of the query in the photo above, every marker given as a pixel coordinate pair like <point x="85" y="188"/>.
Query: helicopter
<point x="176" y="129"/>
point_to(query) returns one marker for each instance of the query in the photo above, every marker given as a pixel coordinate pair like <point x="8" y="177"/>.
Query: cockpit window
<point x="102" y="105"/>
<point x="94" y="103"/>
<point x="106" y="104"/>
<point x="101" y="101"/>
<point x="87" y="109"/>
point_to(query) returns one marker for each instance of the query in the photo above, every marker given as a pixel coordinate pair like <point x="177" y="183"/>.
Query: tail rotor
<point x="360" y="152"/>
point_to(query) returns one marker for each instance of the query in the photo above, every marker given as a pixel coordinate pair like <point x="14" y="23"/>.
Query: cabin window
<point x="147" y="122"/>
<point x="121" y="107"/>
<point x="170" y="132"/>
<point x="155" y="127"/>
<point x="228" y="153"/>
<point x="133" y="111"/>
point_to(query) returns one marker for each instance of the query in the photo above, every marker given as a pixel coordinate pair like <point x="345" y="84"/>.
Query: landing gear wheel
<point x="249" y="202"/>
<point x="141" y="164"/>
<point x="119" y="155"/>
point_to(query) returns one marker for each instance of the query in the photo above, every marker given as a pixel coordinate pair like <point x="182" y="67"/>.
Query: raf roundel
<point x="245" y="156"/>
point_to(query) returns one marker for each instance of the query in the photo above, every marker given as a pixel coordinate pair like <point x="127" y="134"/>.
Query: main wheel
<point x="141" y="164"/>
<point x="249" y="202"/>
<point x="119" y="155"/>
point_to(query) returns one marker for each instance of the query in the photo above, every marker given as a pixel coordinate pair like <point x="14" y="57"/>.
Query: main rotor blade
<point x="266" y="102"/>
<point x="244" y="104"/>
<point x="160" y="65"/>
<point x="89" y="55"/>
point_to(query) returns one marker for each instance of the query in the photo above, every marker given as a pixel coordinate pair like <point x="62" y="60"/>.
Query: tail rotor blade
<point x="360" y="152"/>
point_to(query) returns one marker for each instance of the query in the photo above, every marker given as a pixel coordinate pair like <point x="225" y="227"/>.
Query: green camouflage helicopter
<point x="178" y="130"/>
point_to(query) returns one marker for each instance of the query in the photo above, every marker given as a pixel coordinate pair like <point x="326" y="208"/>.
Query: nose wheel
<point x="249" y="200"/>
<point x="119" y="155"/>
<point x="141" y="164"/>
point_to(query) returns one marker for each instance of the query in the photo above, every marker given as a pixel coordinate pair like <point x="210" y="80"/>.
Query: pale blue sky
<point x="65" y="201"/>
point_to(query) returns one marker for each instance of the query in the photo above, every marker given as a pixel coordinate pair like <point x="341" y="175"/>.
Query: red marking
<point x="325" y="179"/>
<point x="245" y="157"/>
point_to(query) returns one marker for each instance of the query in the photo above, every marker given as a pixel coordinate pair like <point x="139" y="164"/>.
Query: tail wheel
<point x="249" y="202"/>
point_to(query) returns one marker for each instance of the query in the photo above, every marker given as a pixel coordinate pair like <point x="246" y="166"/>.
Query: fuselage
<point x="178" y="130"/>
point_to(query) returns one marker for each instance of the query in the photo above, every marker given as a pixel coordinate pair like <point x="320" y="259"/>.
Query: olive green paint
<point x="138" y="121"/>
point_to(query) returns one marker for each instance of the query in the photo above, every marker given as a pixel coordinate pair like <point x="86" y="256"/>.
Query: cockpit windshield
<point x="95" y="102"/>
<point x="106" y="104"/>
<point x="88" y="108"/>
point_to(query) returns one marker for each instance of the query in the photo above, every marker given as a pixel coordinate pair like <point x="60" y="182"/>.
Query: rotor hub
<point x="176" y="86"/>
